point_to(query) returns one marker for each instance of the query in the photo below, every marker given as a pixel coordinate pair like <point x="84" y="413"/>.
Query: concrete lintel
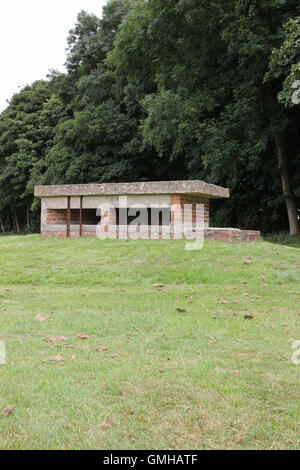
<point x="158" y="187"/>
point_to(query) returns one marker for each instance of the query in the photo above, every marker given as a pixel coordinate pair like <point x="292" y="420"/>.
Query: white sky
<point x="33" y="36"/>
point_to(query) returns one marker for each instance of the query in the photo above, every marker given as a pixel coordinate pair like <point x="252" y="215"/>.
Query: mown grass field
<point x="202" y="378"/>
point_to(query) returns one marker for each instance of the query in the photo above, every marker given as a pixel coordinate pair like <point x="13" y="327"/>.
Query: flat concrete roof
<point x="114" y="189"/>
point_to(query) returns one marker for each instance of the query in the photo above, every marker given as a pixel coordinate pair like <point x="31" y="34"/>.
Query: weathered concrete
<point x="93" y="202"/>
<point x="158" y="187"/>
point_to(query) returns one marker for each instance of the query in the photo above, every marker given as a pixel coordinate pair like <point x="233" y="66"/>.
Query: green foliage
<point x="212" y="108"/>
<point x="101" y="140"/>
<point x="26" y="133"/>
<point x="165" y="89"/>
<point x="285" y="64"/>
<point x="96" y="145"/>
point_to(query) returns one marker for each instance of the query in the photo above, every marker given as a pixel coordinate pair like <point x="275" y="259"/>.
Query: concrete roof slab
<point x="157" y="187"/>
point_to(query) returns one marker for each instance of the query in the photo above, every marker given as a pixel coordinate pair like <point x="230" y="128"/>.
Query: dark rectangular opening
<point x="161" y="217"/>
<point x="89" y="217"/>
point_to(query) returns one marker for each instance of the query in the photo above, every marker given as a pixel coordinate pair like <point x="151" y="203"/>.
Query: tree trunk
<point x="13" y="221"/>
<point x="2" y="227"/>
<point x="17" y="222"/>
<point x="28" y="218"/>
<point x="290" y="198"/>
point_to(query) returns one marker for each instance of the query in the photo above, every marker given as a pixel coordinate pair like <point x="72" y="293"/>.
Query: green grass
<point x="206" y="378"/>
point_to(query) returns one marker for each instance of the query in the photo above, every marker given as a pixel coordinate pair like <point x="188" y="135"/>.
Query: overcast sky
<point x="33" y="37"/>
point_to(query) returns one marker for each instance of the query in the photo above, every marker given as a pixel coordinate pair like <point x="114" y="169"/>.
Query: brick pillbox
<point x="71" y="210"/>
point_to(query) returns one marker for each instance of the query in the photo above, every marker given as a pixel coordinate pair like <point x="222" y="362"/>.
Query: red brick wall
<point x="56" y="216"/>
<point x="194" y="200"/>
<point x="59" y="217"/>
<point x="232" y="235"/>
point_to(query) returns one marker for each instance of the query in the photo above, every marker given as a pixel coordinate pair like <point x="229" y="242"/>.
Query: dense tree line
<point x="163" y="90"/>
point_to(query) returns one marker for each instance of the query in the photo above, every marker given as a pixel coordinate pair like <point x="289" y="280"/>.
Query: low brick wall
<point x="232" y="235"/>
<point x="217" y="234"/>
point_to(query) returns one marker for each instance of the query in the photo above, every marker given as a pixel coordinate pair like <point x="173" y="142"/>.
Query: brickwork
<point x="189" y="213"/>
<point x="232" y="235"/>
<point x="55" y="217"/>
<point x="54" y="223"/>
<point x="108" y="220"/>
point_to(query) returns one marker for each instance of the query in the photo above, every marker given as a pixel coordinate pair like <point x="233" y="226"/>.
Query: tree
<point x="101" y="140"/>
<point x="285" y="65"/>
<point x="27" y="130"/>
<point x="212" y="109"/>
<point x="22" y="144"/>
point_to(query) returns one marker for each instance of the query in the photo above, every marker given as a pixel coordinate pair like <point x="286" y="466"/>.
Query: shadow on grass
<point x="283" y="238"/>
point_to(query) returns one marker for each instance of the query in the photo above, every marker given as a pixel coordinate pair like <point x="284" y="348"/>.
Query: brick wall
<point x="232" y="235"/>
<point x="54" y="222"/>
<point x="55" y="217"/>
<point x="182" y="200"/>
